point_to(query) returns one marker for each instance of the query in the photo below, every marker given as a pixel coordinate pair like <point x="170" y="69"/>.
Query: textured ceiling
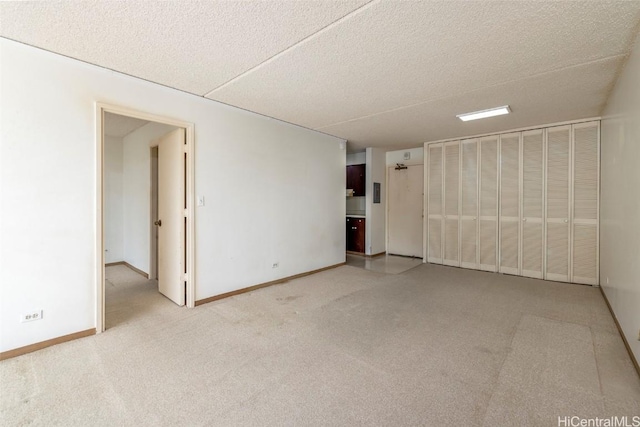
<point x="388" y="73"/>
<point x="194" y="46"/>
<point x="120" y="126"/>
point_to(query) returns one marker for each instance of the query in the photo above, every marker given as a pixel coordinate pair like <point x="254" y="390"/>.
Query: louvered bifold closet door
<point x="558" y="168"/>
<point x="488" y="210"/>
<point x="469" y="208"/>
<point x="584" y="260"/>
<point x="532" y="249"/>
<point x="451" y="203"/>
<point x="510" y="203"/>
<point x="435" y="203"/>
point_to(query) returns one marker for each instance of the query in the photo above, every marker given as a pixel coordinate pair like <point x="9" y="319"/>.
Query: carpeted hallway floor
<point x="430" y="346"/>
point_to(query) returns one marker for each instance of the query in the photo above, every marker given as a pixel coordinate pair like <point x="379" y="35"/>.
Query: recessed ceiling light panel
<point x="483" y="114"/>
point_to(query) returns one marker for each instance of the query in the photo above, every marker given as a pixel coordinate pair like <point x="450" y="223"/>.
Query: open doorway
<point x="145" y="206"/>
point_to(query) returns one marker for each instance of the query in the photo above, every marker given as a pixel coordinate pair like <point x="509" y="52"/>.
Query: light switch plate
<point x="200" y="200"/>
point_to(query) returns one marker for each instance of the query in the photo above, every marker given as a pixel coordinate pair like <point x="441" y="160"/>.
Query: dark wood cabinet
<point x="356" y="179"/>
<point x="355" y="234"/>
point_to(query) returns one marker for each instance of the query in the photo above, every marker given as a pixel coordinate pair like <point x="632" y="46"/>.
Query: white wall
<point x="357" y="158"/>
<point x="137" y="194"/>
<point x="376" y="216"/>
<point x="113" y="202"/>
<point x="620" y="200"/>
<point x="416" y="154"/>
<point x="274" y="191"/>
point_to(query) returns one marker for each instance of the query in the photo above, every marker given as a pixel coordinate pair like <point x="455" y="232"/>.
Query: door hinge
<point x="185" y="278"/>
<point x="186" y="213"/>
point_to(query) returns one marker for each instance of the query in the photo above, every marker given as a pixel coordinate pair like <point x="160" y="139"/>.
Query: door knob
<point x="158" y="223"/>
<point x="524" y="219"/>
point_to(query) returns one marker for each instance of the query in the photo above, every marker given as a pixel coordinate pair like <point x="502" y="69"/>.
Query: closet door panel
<point x="524" y="203"/>
<point x="488" y="207"/>
<point x="435" y="241"/>
<point x="532" y="255"/>
<point x="585" y="254"/>
<point x="510" y="203"/>
<point x="584" y="260"/>
<point x="435" y="203"/>
<point x="451" y="203"/>
<point x="558" y="164"/>
<point x="469" y="197"/>
<point x="585" y="168"/>
<point x="557" y="251"/>
<point x="489" y="245"/>
<point x="509" y="247"/>
<point x="532" y="248"/>
<point x="451" y="242"/>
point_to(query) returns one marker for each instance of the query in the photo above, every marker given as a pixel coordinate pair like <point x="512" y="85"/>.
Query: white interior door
<point x="532" y="244"/>
<point x="434" y="204"/>
<point x="585" y="203"/>
<point x="171" y="219"/>
<point x="558" y="187"/>
<point x="510" y="203"/>
<point x="469" y="208"/>
<point x="451" y="203"/>
<point x="488" y="234"/>
<point x="405" y="211"/>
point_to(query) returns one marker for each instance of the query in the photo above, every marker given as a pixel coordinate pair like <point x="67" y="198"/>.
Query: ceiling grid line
<point x="293" y="46"/>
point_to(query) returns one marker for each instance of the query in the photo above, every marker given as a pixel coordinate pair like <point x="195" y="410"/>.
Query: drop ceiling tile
<point x="194" y="46"/>
<point x="569" y="94"/>
<point x="391" y="54"/>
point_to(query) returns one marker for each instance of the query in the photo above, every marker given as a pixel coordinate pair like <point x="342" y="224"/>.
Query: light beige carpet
<point x="431" y="346"/>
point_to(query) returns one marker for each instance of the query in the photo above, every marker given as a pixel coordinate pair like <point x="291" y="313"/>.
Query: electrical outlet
<point x="275" y="265"/>
<point x="31" y="316"/>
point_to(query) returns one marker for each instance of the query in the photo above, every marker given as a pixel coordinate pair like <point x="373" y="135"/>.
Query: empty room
<point x="320" y="212"/>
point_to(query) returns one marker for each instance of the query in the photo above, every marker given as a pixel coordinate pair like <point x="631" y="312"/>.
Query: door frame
<point x="100" y="109"/>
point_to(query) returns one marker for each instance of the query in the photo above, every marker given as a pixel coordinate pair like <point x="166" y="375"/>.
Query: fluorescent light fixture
<point x="483" y="114"/>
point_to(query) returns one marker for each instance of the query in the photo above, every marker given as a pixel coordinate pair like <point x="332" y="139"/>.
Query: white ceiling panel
<point x="572" y="93"/>
<point x="393" y="54"/>
<point x="194" y="46"/>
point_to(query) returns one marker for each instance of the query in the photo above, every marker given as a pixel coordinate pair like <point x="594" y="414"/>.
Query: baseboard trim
<point x="356" y="253"/>
<point x="111" y="264"/>
<point x="376" y="255"/>
<point x="365" y="255"/>
<point x="624" y="339"/>
<point x="126" y="264"/>
<point x="44" y="344"/>
<point x="264" y="285"/>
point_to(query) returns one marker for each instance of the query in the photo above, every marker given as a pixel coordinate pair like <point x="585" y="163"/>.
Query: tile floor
<point x="389" y="264"/>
